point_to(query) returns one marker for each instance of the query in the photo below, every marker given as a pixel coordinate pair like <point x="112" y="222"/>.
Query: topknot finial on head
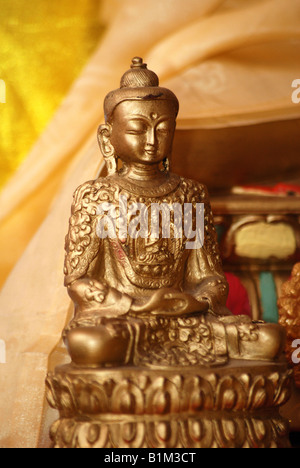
<point x="139" y="76"/>
<point x="137" y="62"/>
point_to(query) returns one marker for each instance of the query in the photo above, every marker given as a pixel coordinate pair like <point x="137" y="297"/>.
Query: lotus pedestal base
<point x="236" y="405"/>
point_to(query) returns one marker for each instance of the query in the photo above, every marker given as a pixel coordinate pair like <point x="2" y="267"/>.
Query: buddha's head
<point x="140" y="120"/>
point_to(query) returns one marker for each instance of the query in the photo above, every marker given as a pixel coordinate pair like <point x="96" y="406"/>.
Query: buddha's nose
<point x="151" y="137"/>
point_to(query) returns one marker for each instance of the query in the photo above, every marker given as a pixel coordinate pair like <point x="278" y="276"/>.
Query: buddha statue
<point x="146" y="279"/>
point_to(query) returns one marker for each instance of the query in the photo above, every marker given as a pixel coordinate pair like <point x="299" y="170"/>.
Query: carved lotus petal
<point x="196" y="430"/>
<point x="67" y="431"/>
<point x="260" y="429"/>
<point x="245" y="379"/>
<point x="231" y="394"/>
<point x="66" y="400"/>
<point x="54" y="429"/>
<point x="283" y="389"/>
<point x="127" y="398"/>
<point x="162" y="395"/>
<point x="164" y="431"/>
<point x="93" y="433"/>
<point x="260" y="398"/>
<point x="197" y="401"/>
<point x="283" y="396"/>
<point x="229" y="399"/>
<point x="162" y="402"/>
<point x="230" y="430"/>
<point x="282" y="428"/>
<point x="261" y="393"/>
<point x="129" y="432"/>
<point x="127" y="403"/>
<point x="91" y="400"/>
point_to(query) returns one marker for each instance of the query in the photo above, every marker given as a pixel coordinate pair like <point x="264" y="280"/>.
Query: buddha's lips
<point x="151" y="152"/>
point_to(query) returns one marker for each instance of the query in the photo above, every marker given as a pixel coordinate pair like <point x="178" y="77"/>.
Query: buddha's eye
<point x="136" y="128"/>
<point x="163" y="129"/>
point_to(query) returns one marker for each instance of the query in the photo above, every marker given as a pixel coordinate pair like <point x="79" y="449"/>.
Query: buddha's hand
<point x="170" y="302"/>
<point x="92" y="296"/>
<point x="86" y="292"/>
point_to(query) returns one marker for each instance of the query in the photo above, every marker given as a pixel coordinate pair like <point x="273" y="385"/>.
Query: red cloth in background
<point x="238" y="300"/>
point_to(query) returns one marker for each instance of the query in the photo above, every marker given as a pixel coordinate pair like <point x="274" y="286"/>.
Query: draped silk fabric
<point x="230" y="62"/>
<point x="36" y="69"/>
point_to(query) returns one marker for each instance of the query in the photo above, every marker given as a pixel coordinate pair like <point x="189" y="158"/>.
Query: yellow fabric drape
<point x="36" y="69"/>
<point x="230" y="62"/>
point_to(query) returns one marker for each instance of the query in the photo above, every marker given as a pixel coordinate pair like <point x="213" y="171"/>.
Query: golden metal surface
<point x="149" y="305"/>
<point x="235" y="406"/>
<point x="289" y="311"/>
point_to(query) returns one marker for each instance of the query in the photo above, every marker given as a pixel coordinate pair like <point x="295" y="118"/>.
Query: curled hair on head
<point x="138" y="83"/>
<point x="138" y="76"/>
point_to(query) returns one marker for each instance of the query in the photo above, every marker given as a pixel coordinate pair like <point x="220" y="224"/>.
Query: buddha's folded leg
<point x="93" y="346"/>
<point x="250" y="340"/>
<point x="100" y="341"/>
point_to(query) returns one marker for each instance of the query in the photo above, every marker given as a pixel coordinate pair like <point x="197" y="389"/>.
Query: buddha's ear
<point x="104" y="133"/>
<point x="107" y="149"/>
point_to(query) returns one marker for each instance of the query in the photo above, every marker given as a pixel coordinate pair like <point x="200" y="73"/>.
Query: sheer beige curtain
<point x="231" y="62"/>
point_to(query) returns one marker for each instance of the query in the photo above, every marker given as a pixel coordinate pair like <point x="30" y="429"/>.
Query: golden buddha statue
<point x="144" y="299"/>
<point x="157" y="358"/>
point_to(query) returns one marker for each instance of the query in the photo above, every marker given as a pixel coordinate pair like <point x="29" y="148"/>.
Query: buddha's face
<point x="143" y="131"/>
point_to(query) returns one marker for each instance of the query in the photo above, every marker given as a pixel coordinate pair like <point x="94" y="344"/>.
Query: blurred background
<point x="44" y="46"/>
<point x="230" y="62"/>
